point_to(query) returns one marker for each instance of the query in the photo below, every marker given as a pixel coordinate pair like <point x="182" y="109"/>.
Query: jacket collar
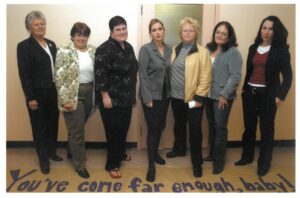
<point x="51" y="47"/>
<point x="117" y="43"/>
<point x="72" y="47"/>
<point x="193" y="50"/>
<point x="156" y="51"/>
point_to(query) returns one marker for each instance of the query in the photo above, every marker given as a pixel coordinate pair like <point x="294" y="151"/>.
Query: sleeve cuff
<point x="199" y="99"/>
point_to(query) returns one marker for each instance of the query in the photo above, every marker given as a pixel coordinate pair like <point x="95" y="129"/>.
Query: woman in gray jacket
<point x="226" y="75"/>
<point x="154" y="66"/>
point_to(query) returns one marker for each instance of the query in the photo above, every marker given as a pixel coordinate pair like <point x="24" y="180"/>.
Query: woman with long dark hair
<point x="263" y="90"/>
<point x="226" y="76"/>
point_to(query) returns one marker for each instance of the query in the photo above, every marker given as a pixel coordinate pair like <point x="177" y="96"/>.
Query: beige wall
<point x="60" y="18"/>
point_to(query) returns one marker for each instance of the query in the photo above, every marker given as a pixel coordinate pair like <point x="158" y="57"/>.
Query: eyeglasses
<point x="188" y="30"/>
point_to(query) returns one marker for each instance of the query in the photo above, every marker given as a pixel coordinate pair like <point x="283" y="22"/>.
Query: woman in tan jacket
<point x="190" y="82"/>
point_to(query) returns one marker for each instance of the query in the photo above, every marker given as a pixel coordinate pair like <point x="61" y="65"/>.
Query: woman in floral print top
<point x="74" y="83"/>
<point x="115" y="84"/>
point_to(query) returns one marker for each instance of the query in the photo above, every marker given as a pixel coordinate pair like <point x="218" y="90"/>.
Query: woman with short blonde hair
<point x="190" y="82"/>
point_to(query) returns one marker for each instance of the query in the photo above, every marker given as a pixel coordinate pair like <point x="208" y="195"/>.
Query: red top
<point x="258" y="74"/>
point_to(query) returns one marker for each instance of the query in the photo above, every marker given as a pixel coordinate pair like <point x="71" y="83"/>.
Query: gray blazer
<point x="226" y="74"/>
<point x="153" y="71"/>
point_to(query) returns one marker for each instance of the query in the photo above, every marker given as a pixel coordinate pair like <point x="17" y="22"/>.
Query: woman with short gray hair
<point x="36" y="58"/>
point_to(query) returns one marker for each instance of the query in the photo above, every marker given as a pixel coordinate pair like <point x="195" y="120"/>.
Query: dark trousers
<point x="182" y="115"/>
<point x="75" y="122"/>
<point x="218" y="132"/>
<point x="156" y="122"/>
<point x="44" y="124"/>
<point x="258" y="106"/>
<point x="116" y="122"/>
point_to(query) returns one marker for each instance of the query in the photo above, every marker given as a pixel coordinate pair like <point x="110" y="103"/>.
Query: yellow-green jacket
<point x="198" y="72"/>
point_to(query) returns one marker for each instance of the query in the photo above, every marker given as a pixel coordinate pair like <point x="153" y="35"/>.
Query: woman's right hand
<point x="33" y="105"/>
<point x="68" y="106"/>
<point x="106" y="100"/>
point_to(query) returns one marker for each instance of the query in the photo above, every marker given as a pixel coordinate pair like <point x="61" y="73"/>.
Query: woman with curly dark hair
<point x="264" y="90"/>
<point x="227" y="65"/>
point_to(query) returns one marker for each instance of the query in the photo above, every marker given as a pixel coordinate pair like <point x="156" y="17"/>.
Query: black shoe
<point x="197" y="171"/>
<point x="151" y="175"/>
<point x="173" y="154"/>
<point x="243" y="162"/>
<point x="217" y="170"/>
<point x="208" y="158"/>
<point x="56" y="158"/>
<point x="45" y="169"/>
<point x="262" y="171"/>
<point x="83" y="173"/>
<point x="159" y="160"/>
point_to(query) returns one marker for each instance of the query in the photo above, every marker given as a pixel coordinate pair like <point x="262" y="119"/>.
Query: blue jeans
<point x="218" y="132"/>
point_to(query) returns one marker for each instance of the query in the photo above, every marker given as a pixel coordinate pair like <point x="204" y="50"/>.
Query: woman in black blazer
<point x="154" y="67"/>
<point x="263" y="90"/>
<point x="36" y="58"/>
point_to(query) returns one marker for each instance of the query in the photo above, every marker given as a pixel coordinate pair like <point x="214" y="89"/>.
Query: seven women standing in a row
<point x="184" y="74"/>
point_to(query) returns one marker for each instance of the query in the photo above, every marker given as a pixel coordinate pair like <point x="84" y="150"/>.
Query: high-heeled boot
<point x="151" y="174"/>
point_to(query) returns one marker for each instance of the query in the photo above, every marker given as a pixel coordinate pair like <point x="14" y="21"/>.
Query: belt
<point x="86" y="84"/>
<point x="256" y="90"/>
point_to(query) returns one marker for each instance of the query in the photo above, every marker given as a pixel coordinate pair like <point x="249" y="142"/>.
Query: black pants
<point x="156" y="122"/>
<point x="44" y="124"/>
<point x="116" y="122"/>
<point x="182" y="115"/>
<point x="258" y="106"/>
<point x="218" y="132"/>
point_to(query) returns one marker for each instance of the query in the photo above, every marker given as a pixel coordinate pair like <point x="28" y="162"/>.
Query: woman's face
<point x="38" y="27"/>
<point x="188" y="33"/>
<point x="267" y="32"/>
<point x="120" y="33"/>
<point x="157" y="32"/>
<point x="221" y="35"/>
<point x="80" y="41"/>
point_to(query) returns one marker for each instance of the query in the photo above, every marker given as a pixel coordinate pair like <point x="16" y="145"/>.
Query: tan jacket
<point x="198" y="72"/>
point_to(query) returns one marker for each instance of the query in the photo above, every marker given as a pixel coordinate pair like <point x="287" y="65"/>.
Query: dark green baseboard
<point x="62" y="144"/>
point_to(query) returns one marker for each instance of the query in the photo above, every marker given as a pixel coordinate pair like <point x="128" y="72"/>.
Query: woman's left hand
<point x="198" y="104"/>
<point x="222" y="102"/>
<point x="278" y="101"/>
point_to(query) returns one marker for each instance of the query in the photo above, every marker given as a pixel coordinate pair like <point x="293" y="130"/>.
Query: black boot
<point x="218" y="167"/>
<point x="151" y="174"/>
<point x="197" y="171"/>
<point x="159" y="159"/>
<point x="244" y="160"/>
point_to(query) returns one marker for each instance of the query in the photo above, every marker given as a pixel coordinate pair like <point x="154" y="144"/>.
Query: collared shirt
<point x="116" y="73"/>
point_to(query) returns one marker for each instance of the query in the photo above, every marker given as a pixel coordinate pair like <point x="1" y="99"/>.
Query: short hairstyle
<point x="212" y="46"/>
<point x="280" y="32"/>
<point x="33" y="15"/>
<point x="115" y="21"/>
<point x="153" y="21"/>
<point x="80" y="28"/>
<point x="193" y="22"/>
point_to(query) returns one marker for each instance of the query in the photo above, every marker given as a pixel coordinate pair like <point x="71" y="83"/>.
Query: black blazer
<point x="278" y="61"/>
<point x="35" y="66"/>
